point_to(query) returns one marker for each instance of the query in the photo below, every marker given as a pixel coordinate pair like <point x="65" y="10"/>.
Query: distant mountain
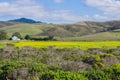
<point x="25" y="20"/>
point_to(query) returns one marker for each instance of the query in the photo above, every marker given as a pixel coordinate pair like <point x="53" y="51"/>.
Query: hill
<point x="57" y="31"/>
<point x="4" y="24"/>
<point x="25" y="20"/>
<point x="77" y="31"/>
<point x="24" y="29"/>
<point x="104" y="36"/>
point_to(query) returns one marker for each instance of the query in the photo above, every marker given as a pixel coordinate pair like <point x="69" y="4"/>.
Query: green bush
<point x="61" y="75"/>
<point x="97" y="75"/>
<point x="38" y="68"/>
<point x="114" y="72"/>
<point x="9" y="66"/>
<point x="94" y="60"/>
<point x="6" y="67"/>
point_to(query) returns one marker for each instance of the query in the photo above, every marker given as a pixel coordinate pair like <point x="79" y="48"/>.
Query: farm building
<point x="15" y="38"/>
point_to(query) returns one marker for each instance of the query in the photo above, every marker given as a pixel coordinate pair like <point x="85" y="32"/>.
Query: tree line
<point x="4" y="36"/>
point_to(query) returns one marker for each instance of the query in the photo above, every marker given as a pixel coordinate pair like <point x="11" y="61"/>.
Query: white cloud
<point x="110" y="8"/>
<point x="24" y="8"/>
<point x="99" y="17"/>
<point x="34" y="10"/>
<point x="58" y="1"/>
<point x="67" y="16"/>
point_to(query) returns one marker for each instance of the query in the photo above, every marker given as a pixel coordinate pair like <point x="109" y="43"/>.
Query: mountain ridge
<point x="24" y="20"/>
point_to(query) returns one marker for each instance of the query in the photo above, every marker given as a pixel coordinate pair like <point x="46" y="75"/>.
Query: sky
<point x="60" y="11"/>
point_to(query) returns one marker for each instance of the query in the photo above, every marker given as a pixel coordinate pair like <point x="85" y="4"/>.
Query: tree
<point x="17" y="34"/>
<point x="3" y="35"/>
<point x="50" y="37"/>
<point x="27" y="37"/>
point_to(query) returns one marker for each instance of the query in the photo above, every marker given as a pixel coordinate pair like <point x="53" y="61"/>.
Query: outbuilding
<point x="15" y="38"/>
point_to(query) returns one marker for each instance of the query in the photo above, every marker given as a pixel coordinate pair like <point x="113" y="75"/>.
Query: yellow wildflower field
<point x="60" y="44"/>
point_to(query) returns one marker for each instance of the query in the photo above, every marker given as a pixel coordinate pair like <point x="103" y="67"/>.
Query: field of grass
<point x="105" y="36"/>
<point x="62" y="45"/>
<point x="1" y="45"/>
<point x="24" y="29"/>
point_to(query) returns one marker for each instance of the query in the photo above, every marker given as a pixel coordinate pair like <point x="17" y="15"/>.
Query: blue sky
<point x="61" y="11"/>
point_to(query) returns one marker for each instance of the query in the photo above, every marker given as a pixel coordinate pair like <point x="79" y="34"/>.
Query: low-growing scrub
<point x="53" y="63"/>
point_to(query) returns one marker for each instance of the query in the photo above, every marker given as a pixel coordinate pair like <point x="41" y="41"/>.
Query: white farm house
<point x="15" y="38"/>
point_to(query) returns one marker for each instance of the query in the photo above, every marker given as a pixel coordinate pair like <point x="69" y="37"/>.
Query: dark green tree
<point x="27" y="37"/>
<point x="50" y="37"/>
<point x="17" y="34"/>
<point x="3" y="35"/>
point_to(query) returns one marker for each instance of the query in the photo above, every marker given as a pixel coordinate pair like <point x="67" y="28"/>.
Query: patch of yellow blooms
<point x="59" y="44"/>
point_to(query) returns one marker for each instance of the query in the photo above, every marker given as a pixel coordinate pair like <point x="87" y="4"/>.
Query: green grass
<point x="2" y="45"/>
<point x="31" y="29"/>
<point x="116" y="33"/>
<point x="105" y="36"/>
<point x="58" y="31"/>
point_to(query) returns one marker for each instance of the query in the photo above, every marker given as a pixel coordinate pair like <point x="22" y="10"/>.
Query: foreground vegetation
<point x="60" y="61"/>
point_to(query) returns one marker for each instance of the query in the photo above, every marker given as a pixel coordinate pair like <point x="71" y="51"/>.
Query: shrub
<point x="61" y="75"/>
<point x="3" y="35"/>
<point x="97" y="75"/>
<point x="114" y="72"/>
<point x="94" y="60"/>
<point x="27" y="37"/>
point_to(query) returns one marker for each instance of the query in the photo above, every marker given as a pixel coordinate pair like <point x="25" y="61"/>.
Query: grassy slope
<point x="89" y="31"/>
<point x="58" y="31"/>
<point x="105" y="36"/>
<point x="4" y="24"/>
<point x="31" y="29"/>
<point x="62" y="30"/>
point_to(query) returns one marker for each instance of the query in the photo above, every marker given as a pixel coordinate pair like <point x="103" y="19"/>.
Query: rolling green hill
<point x="77" y="31"/>
<point x="104" y="36"/>
<point x="4" y="24"/>
<point x="57" y="31"/>
<point x="31" y="29"/>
